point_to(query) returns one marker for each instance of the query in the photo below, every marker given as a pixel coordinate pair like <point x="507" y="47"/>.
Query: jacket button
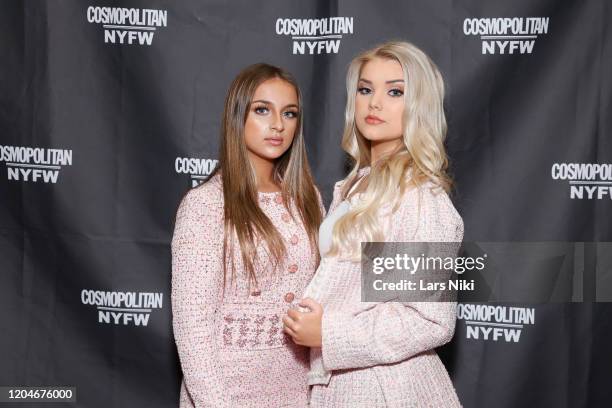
<point x="294" y="239"/>
<point x="256" y="292"/>
<point x="292" y="268"/>
<point x="279" y="199"/>
<point x="289" y="297"/>
<point x="286" y="217"/>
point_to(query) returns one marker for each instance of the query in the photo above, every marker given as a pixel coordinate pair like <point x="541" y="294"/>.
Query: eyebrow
<point x="292" y="105"/>
<point x="387" y="82"/>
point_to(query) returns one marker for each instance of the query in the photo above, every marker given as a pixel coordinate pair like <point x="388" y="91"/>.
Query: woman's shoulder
<point x="433" y="198"/>
<point x="204" y="198"/>
<point x="360" y="173"/>
<point x="211" y="190"/>
<point x="425" y="213"/>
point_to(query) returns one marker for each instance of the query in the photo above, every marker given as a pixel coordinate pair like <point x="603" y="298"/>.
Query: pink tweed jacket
<point x="383" y="354"/>
<point x="232" y="348"/>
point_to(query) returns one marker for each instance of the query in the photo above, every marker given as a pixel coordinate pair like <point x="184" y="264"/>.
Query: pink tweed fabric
<point x="232" y="348"/>
<point x="383" y="354"/>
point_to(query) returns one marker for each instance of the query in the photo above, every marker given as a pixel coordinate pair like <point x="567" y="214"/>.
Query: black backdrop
<point x="108" y="115"/>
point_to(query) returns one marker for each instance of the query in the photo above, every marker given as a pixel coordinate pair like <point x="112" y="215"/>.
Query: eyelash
<point x="397" y="92"/>
<point x="259" y="110"/>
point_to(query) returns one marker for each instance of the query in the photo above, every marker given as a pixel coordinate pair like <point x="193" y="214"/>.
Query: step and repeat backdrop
<point x="110" y="112"/>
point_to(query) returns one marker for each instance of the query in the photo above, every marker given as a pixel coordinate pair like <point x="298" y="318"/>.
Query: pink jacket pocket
<point x="250" y="327"/>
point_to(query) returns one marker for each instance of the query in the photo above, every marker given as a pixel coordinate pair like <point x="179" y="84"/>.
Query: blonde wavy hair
<point x="419" y="159"/>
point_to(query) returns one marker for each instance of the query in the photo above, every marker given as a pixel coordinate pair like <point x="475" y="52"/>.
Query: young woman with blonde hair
<point x="243" y="250"/>
<point x="366" y="354"/>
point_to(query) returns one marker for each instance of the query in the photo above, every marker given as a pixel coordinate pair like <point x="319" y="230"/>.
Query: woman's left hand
<point x="305" y="327"/>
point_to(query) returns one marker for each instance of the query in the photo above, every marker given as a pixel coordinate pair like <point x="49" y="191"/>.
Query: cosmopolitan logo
<point x="497" y="323"/>
<point x="516" y="35"/>
<point x="199" y="169"/>
<point x="123" y="308"/>
<point x="587" y="181"/>
<point x="315" y="36"/>
<point x="128" y="25"/>
<point x="35" y="164"/>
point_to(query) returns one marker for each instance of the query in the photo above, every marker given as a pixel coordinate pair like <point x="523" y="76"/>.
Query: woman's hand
<point x="305" y="327"/>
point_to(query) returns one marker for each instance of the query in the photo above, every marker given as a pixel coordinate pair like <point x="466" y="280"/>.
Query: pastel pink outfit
<point x="383" y="354"/>
<point x="232" y="349"/>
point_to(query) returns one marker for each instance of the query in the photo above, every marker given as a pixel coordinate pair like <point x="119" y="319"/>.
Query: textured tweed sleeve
<point x="393" y="331"/>
<point x="196" y="284"/>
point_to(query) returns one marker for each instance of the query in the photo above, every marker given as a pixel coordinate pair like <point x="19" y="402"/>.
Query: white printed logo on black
<point x="128" y="25"/>
<point x="34" y="164"/>
<point x="511" y="35"/>
<point x="198" y="169"/>
<point x="495" y="323"/>
<point x="587" y="181"/>
<point x="312" y="36"/>
<point x="123" y="308"/>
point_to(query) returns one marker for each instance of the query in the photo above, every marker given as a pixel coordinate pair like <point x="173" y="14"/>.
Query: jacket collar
<point x="363" y="171"/>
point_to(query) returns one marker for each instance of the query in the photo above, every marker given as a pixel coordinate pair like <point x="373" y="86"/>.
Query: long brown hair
<point x="243" y="216"/>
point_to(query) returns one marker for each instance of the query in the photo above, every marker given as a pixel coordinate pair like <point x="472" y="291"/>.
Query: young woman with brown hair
<point x="243" y="250"/>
